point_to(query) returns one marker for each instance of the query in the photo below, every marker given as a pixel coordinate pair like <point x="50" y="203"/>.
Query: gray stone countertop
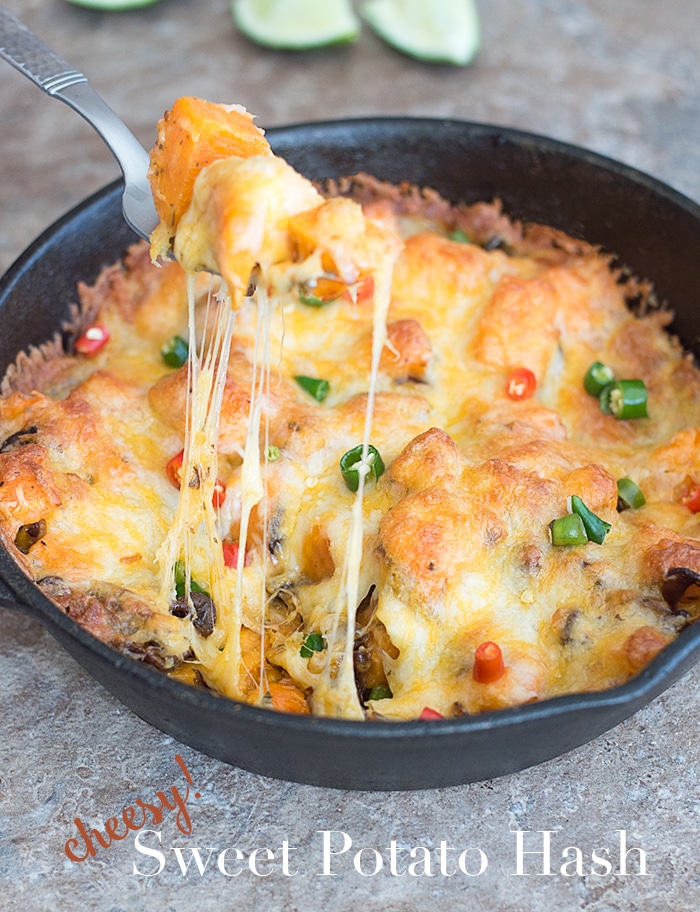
<point x="621" y="78"/>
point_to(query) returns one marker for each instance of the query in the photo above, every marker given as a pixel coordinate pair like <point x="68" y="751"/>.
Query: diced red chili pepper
<point x="488" y="663"/>
<point x="521" y="383"/>
<point x="174" y="472"/>
<point x="364" y="289"/>
<point x="219" y="495"/>
<point x="690" y="495"/>
<point x="92" y="340"/>
<point x="174" y="467"/>
<point x="429" y="715"/>
<point x="231" y="550"/>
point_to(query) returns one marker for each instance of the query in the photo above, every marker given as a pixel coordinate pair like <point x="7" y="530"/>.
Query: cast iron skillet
<point x="652" y="229"/>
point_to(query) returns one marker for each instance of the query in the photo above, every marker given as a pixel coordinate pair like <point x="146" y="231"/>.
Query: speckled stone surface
<point x="622" y="78"/>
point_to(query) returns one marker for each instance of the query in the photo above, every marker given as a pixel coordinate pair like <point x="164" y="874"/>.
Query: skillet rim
<point x="620" y="702"/>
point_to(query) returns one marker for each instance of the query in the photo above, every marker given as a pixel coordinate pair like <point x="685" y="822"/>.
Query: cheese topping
<point x="492" y="563"/>
<point x="255" y="220"/>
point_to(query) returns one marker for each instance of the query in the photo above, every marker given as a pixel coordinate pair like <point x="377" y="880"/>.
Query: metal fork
<point x="31" y="56"/>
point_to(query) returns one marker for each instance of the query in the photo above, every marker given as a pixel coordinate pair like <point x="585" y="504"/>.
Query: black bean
<point x="204" y="616"/>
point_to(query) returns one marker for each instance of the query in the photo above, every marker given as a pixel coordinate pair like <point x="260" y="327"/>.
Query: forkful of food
<point x="250" y="210"/>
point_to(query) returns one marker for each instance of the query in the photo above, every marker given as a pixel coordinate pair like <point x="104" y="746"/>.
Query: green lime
<point x="112" y="5"/>
<point x="296" y="24"/>
<point x="438" y="31"/>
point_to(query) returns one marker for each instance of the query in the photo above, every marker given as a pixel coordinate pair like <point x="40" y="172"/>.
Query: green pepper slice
<point x="315" y="387"/>
<point x="312" y="301"/>
<point x="597" y="377"/>
<point x="596" y="528"/>
<point x="568" y="530"/>
<point x="175" y="352"/>
<point x="313" y="642"/>
<point x="625" y="399"/>
<point x="28" y="535"/>
<point x="460" y="236"/>
<point x="351" y="465"/>
<point x="321" y="291"/>
<point x="180" y="581"/>
<point x="380" y="692"/>
<point x="629" y="495"/>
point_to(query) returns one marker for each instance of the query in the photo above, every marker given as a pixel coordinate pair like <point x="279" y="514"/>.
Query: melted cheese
<point x="194" y="537"/>
<point x="257" y="220"/>
<point x="336" y="693"/>
<point x="451" y="547"/>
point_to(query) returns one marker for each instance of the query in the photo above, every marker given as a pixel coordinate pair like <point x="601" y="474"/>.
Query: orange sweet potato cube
<point x="191" y="135"/>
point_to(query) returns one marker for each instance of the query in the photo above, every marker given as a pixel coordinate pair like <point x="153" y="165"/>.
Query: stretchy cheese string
<point x="217" y="365"/>
<point x="194" y="537"/>
<point x="252" y="486"/>
<point x="262" y="686"/>
<point x="195" y="527"/>
<point x="337" y="695"/>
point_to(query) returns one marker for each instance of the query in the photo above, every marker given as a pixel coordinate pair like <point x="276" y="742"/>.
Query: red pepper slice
<point x="231" y="551"/>
<point x="690" y="495"/>
<point x="521" y="384"/>
<point x="429" y="715"/>
<point x="92" y="340"/>
<point x="174" y="468"/>
<point x="364" y="289"/>
<point x="488" y="663"/>
<point x="219" y="495"/>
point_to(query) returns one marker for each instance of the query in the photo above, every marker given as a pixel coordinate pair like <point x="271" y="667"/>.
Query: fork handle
<point x="31" y="56"/>
<point x="37" y="61"/>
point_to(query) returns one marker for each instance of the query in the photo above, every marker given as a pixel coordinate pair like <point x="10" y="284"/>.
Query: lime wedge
<point x="112" y="5"/>
<point x="439" y="31"/>
<point x="296" y="24"/>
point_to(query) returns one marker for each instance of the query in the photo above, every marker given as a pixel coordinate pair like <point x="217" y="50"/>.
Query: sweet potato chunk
<point x="191" y="135"/>
<point x="287" y="697"/>
<point x="517" y="327"/>
<point x="643" y="645"/>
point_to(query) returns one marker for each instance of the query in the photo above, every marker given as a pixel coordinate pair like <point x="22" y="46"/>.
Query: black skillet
<point x="652" y="229"/>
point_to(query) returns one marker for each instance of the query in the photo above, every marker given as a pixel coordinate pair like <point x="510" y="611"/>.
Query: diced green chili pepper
<point x="625" y="399"/>
<point x="629" y="495"/>
<point x="459" y="236"/>
<point x="180" y="581"/>
<point x="319" y="389"/>
<point x="175" y="352"/>
<point x="568" y="530"/>
<point x="597" y="378"/>
<point x="320" y="292"/>
<point x="380" y="692"/>
<point x="313" y="642"/>
<point x="596" y="528"/>
<point x="312" y="301"/>
<point x="273" y="453"/>
<point x="28" y="535"/>
<point x="604" y="399"/>
<point x="351" y="465"/>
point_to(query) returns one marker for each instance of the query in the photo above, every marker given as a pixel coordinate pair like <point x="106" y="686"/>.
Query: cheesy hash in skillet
<point x="356" y="451"/>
